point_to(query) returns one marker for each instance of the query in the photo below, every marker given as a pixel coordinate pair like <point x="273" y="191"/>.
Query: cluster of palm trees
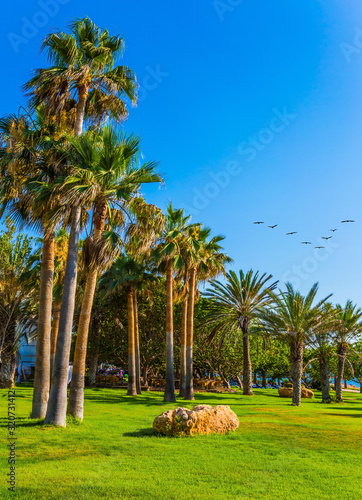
<point x="57" y="177"/>
<point x="248" y="304"/>
<point x="65" y="183"/>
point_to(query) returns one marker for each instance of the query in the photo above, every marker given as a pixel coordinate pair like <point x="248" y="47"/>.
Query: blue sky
<point x="253" y="109"/>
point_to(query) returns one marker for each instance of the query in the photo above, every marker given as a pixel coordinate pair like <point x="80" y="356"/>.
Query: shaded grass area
<point x="279" y="451"/>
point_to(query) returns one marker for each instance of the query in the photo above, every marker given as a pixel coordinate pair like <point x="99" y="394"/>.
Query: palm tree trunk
<point x="169" y="395"/>
<point x="183" y="340"/>
<point x="54" y="333"/>
<point x="132" y="388"/>
<point x="57" y="404"/>
<point x="189" y="390"/>
<point x="324" y="376"/>
<point x="239" y="381"/>
<point x="137" y="344"/>
<point x="93" y="353"/>
<point x="296" y="355"/>
<point x="264" y="379"/>
<point x="7" y="371"/>
<point x="342" y="353"/>
<point x="76" y="393"/>
<point x="42" y="359"/>
<point x="79" y="118"/>
<point x="247" y="368"/>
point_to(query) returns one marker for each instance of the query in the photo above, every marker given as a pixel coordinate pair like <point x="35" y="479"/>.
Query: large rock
<point x="202" y="419"/>
<point x="287" y="392"/>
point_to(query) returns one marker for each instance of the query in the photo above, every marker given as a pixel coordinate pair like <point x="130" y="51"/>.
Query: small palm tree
<point x="235" y="305"/>
<point x="348" y="329"/>
<point x="294" y="318"/>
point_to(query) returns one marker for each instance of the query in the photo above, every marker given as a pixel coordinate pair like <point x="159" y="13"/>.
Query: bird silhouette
<point x="325" y="238"/>
<point x="306" y="243"/>
<point x="347" y="221"/>
<point x="293" y="232"/>
<point x="258" y="222"/>
<point x="318" y="247"/>
<point x="333" y="230"/>
<point x="272" y="227"/>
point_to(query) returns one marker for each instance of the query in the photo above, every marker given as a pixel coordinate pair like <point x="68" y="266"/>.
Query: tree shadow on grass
<point x="22" y="422"/>
<point x="343" y="415"/>
<point x="140" y="433"/>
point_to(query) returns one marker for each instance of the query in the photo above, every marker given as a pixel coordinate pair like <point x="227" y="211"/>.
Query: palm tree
<point x="349" y="328"/>
<point x="168" y="253"/>
<point x="28" y="155"/>
<point x="294" y="318"/>
<point x="205" y="261"/>
<point x="235" y="305"/>
<point x="16" y="300"/>
<point x="83" y="79"/>
<point x="104" y="176"/>
<point x="127" y="273"/>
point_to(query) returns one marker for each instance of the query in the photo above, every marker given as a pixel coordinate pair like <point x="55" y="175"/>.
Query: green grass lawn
<point x="278" y="452"/>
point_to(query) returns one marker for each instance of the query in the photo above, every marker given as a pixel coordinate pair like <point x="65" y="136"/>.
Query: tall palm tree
<point x="84" y="82"/>
<point x="294" y="318"/>
<point x="348" y="329"/>
<point x="235" y="305"/>
<point x="169" y="255"/>
<point x="127" y="273"/>
<point x="104" y="176"/>
<point x="206" y="261"/>
<point x="28" y="153"/>
<point x="83" y="79"/>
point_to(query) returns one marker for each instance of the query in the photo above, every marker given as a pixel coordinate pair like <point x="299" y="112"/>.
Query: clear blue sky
<point x="253" y="109"/>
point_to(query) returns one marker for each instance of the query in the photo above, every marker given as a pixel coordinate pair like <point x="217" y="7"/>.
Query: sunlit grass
<point x="278" y="452"/>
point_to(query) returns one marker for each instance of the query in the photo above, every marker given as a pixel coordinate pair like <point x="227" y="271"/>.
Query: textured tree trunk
<point x="7" y="372"/>
<point x="239" y="381"/>
<point x="137" y="344"/>
<point x="42" y="358"/>
<point x="54" y="333"/>
<point x="342" y="350"/>
<point x="183" y="341"/>
<point x="296" y="357"/>
<point x="93" y="352"/>
<point x="132" y="388"/>
<point x="79" y="118"/>
<point x="92" y="369"/>
<point x="145" y="373"/>
<point x="264" y="380"/>
<point x="57" y="405"/>
<point x="247" y="373"/>
<point x="345" y="384"/>
<point x="324" y="376"/>
<point x="189" y="390"/>
<point x="169" y="395"/>
<point x="76" y="392"/>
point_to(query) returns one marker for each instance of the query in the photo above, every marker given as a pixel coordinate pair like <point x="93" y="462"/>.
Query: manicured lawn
<point x="278" y="452"/>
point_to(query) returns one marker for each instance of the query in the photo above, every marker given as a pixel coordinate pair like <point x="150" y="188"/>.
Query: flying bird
<point x="258" y="222"/>
<point x="318" y="247"/>
<point x="293" y="232"/>
<point x="272" y="227"/>
<point x="347" y="221"/>
<point x="333" y="230"/>
<point x="325" y="238"/>
<point x="306" y="243"/>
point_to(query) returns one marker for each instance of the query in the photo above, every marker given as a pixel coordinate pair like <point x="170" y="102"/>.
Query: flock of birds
<point x="308" y="242"/>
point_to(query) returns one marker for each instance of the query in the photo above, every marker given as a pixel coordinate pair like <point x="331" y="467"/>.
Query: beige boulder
<point x="287" y="392"/>
<point x="202" y="419"/>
